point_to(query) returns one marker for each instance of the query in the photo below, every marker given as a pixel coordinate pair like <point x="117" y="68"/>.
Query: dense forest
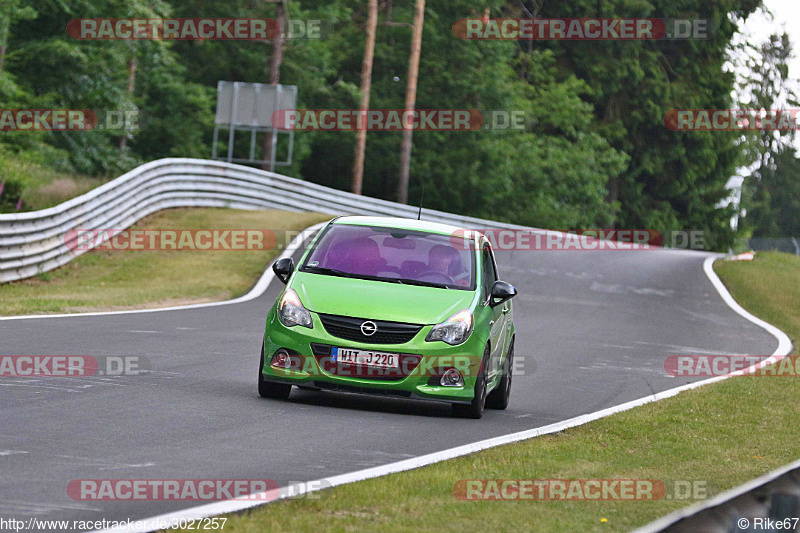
<point x="596" y="153"/>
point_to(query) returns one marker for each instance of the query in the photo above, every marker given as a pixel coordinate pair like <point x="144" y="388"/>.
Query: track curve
<point x="594" y="329"/>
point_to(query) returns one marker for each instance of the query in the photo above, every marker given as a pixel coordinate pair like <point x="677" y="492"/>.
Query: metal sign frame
<point x="235" y="112"/>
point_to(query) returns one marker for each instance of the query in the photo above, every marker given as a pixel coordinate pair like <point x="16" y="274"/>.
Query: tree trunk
<point x="123" y="142"/>
<point x="3" y="42"/>
<point x="612" y="112"/>
<point x="275" y="76"/>
<point x="411" y="100"/>
<point x="366" y="82"/>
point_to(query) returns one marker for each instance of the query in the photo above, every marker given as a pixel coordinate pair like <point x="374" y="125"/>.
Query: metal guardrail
<point x="789" y="245"/>
<point x="755" y="506"/>
<point x="39" y="241"/>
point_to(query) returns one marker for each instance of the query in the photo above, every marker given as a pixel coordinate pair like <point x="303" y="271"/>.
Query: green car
<point x="395" y="307"/>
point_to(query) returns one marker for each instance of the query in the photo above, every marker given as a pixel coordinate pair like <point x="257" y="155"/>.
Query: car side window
<point x="489" y="272"/>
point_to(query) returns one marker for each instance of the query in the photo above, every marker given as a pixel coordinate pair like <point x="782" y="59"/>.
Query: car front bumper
<point x="314" y="368"/>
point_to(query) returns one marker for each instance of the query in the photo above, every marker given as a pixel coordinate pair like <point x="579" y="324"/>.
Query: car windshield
<point x="392" y="255"/>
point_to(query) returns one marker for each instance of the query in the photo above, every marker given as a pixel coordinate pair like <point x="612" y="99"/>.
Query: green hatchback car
<point x="395" y="307"/>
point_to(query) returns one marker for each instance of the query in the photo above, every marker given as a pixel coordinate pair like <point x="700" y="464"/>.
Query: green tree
<point x="674" y="180"/>
<point x="773" y="202"/>
<point x="594" y="151"/>
<point x="553" y="172"/>
<point x="769" y="190"/>
<point x="11" y="11"/>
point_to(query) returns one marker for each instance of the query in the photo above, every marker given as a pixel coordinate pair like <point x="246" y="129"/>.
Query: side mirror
<point x="283" y="269"/>
<point x="501" y="292"/>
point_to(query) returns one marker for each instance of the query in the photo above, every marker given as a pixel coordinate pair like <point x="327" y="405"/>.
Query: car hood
<point x="379" y="300"/>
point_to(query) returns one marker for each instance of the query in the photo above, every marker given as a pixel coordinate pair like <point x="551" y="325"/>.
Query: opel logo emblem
<point x="368" y="328"/>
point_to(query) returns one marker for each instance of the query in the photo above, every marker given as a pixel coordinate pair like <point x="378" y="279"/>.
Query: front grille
<point x="349" y="328"/>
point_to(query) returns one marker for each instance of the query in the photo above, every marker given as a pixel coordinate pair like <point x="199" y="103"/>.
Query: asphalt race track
<point x="593" y="331"/>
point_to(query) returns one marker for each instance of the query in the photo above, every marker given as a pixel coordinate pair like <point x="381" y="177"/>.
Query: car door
<point x="496" y="315"/>
<point x="505" y="315"/>
<point x="505" y="319"/>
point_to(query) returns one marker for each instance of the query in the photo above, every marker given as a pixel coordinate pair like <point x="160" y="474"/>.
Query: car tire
<point x="500" y="397"/>
<point x="268" y="389"/>
<point x="474" y="409"/>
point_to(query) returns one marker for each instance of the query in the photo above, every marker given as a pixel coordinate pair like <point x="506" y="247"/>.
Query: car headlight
<point x="291" y="311"/>
<point x="454" y="330"/>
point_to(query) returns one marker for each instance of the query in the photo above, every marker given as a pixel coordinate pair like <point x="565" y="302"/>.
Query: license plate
<point x="365" y="357"/>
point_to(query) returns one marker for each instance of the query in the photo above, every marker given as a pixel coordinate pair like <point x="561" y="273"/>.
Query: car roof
<point x="402" y="223"/>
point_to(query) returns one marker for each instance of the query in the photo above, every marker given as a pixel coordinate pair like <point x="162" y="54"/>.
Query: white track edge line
<point x="261" y="285"/>
<point x="266" y="278"/>
<point x="258" y="289"/>
<point x="255" y="500"/>
<point x="784" y="348"/>
<point x="784" y="344"/>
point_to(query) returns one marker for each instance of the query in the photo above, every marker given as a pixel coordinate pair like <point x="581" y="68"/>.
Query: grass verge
<point x="41" y="186"/>
<point x="114" y="280"/>
<point x="723" y="434"/>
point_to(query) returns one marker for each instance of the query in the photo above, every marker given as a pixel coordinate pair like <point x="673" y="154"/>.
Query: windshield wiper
<point x="328" y="271"/>
<point x="408" y="281"/>
<point x="343" y="274"/>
